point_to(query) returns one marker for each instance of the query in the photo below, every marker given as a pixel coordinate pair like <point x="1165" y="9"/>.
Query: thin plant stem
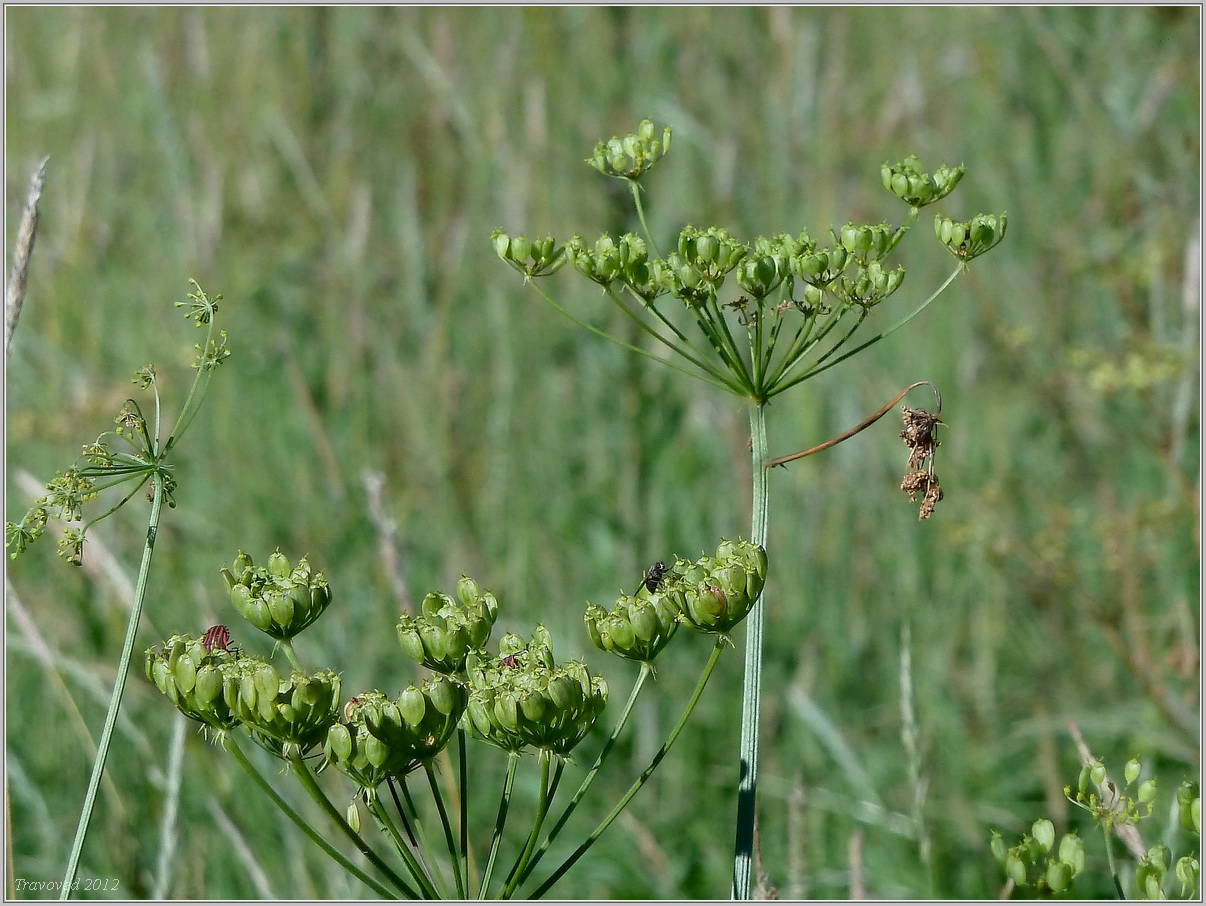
<point x="646" y="672"/>
<point x="752" y="689"/>
<point x="542" y="809"/>
<point x="287" y="647"/>
<point x="458" y="868"/>
<point x="500" y="821"/>
<point x="721" y="642"/>
<point x="433" y="867"/>
<point x="229" y="744"/>
<point x="1109" y="845"/>
<point x="687" y="349"/>
<point x="875" y="339"/>
<point x="310" y="785"/>
<point x="640" y="209"/>
<point x="119" y="686"/>
<point x="390" y="830"/>
<point x="646" y="353"/>
<point x="463" y="802"/>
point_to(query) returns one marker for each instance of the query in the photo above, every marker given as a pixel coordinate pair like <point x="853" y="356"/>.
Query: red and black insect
<point x="216" y="637"/>
<point x="509" y="661"/>
<point x="654" y="575"/>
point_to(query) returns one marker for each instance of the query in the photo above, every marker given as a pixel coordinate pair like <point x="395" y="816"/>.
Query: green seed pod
<point x="1016" y="869"/>
<point x="645" y="621"/>
<point x="320" y="598"/>
<point x="240" y="597"/>
<point x="1147" y="791"/>
<point x="300" y="574"/>
<point x="1083" y="780"/>
<point x="412" y="706"/>
<point x="185" y="674"/>
<point x="1058" y="876"/>
<point x="412" y="644"/>
<point x="1188" y="871"/>
<point x="1044" y="833"/>
<point x="1072" y="853"/>
<point x="996" y="845"/>
<point x="267" y="681"/>
<point x="593" y="616"/>
<point x="1131" y="771"/>
<point x="434" y="642"/>
<point x="445" y="696"/>
<point x="622" y="635"/>
<point x="506" y="712"/>
<point x="241" y="568"/>
<point x="299" y="597"/>
<point x="280" y="607"/>
<point x="278" y="565"/>
<point x="479" y="714"/>
<point x="564" y="692"/>
<point x="534" y="706"/>
<point x="209" y="684"/>
<point x="339" y="744"/>
<point x="468" y="591"/>
<point x="1188" y="800"/>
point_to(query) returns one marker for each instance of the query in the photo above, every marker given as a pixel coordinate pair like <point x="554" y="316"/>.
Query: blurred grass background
<point x="335" y="173"/>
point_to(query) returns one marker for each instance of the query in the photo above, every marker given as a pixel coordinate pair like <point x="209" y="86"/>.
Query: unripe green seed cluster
<point x="191" y="677"/>
<point x="442" y="636"/>
<point x="523" y="698"/>
<point x="278" y="599"/>
<point x="381" y="737"/>
<point x="713" y="594"/>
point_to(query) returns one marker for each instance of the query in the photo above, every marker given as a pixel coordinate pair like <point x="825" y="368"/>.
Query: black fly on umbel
<point x="654" y="575"/>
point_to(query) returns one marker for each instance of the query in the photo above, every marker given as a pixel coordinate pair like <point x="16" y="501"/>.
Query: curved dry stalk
<point x="833" y="442"/>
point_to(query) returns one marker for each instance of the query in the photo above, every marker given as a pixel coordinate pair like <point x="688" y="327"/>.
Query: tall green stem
<point x="119" y="687"/>
<point x="743" y="857"/>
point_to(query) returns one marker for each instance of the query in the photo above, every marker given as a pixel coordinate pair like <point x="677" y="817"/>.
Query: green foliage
<point x="331" y="170"/>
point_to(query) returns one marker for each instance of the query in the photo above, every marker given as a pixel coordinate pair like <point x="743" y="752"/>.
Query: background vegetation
<point x="336" y="174"/>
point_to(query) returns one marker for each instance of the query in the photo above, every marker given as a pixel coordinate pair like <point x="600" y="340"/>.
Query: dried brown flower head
<point x="920" y="435"/>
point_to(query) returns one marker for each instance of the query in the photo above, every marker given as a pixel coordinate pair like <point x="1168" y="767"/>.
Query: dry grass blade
<point x="27" y="231"/>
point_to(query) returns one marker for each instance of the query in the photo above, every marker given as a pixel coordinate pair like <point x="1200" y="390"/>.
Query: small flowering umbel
<point x="531" y="257"/>
<point x="868" y="242"/>
<point x="870" y="285"/>
<point x="1111" y="805"/>
<point x="640" y="625"/>
<point x="523" y="698"/>
<point x="720" y="591"/>
<point x="630" y="157"/>
<point x="297" y="711"/>
<point x="190" y="675"/>
<point x="696" y="272"/>
<point x="278" y="599"/>
<point x="625" y="260"/>
<point x="908" y="182"/>
<point x="445" y="631"/>
<point x="968" y="240"/>
<point x="1036" y="862"/>
<point x="381" y="738"/>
